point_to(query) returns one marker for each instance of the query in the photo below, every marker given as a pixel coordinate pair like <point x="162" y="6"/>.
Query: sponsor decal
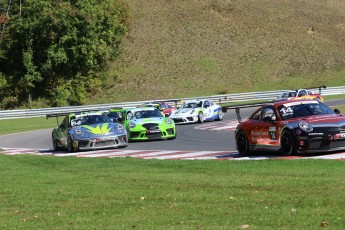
<point x="259" y="136"/>
<point x="98" y="129"/>
<point x="300" y="103"/>
<point x="153" y="131"/>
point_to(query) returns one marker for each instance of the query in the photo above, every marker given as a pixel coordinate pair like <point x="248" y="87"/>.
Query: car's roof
<point x="195" y="101"/>
<point x="84" y="114"/>
<point x="142" y="109"/>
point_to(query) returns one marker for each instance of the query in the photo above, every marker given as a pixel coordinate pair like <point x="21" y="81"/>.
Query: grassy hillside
<point x="196" y="48"/>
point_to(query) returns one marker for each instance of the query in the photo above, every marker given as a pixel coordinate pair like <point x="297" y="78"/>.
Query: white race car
<point x="197" y="111"/>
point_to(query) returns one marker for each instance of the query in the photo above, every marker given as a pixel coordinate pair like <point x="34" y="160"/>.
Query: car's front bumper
<point x="321" y="143"/>
<point x="185" y="120"/>
<point x="144" y="134"/>
<point x="101" y="142"/>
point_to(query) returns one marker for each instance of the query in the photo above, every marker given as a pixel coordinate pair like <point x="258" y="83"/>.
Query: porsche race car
<point x="164" y="107"/>
<point x="146" y="123"/>
<point x="197" y="111"/>
<point x="290" y="127"/>
<point x="87" y="131"/>
<point x="301" y="94"/>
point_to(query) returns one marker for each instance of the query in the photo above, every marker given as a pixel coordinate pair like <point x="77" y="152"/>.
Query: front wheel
<point x="55" y="144"/>
<point x="288" y="146"/>
<point x="70" y="147"/>
<point x="242" y="143"/>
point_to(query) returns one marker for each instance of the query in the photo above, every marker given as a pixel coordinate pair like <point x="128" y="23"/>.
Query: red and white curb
<point x="216" y="126"/>
<point x="161" y="154"/>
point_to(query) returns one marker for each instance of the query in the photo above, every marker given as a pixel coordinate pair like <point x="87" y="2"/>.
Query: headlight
<point x="78" y="132"/>
<point x="120" y="127"/>
<point x="191" y="112"/>
<point x="169" y="121"/>
<point x="306" y="127"/>
<point x="131" y="124"/>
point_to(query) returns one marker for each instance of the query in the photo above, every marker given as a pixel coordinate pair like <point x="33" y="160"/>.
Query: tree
<point x="59" y="46"/>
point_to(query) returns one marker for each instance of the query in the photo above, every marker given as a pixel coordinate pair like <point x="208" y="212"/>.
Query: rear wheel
<point x="70" y="147"/>
<point x="288" y="146"/>
<point x="220" y="115"/>
<point x="242" y="144"/>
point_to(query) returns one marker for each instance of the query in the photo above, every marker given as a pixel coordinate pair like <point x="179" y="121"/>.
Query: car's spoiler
<point x="318" y="87"/>
<point x="238" y="107"/>
<point x="57" y="115"/>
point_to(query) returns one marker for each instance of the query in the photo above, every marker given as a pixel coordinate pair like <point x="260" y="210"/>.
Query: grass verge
<point x="9" y="126"/>
<point x="123" y="193"/>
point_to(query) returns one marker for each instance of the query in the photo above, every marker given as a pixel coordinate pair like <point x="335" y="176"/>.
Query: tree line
<point x="58" y="50"/>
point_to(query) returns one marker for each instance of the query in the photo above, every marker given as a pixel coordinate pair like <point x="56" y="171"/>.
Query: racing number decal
<point x="272" y="132"/>
<point x="286" y="111"/>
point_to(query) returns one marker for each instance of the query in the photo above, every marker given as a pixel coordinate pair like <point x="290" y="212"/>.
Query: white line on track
<point x="162" y="154"/>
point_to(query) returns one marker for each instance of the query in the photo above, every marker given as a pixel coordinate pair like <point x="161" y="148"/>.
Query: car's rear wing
<point x="238" y="107"/>
<point x="57" y="115"/>
<point x="318" y="87"/>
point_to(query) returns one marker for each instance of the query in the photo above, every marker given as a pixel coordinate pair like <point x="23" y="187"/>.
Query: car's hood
<point x="157" y="120"/>
<point x="184" y="111"/>
<point x="98" y="129"/>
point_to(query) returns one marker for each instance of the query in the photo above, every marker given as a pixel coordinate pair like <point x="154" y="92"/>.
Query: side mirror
<point x="337" y="111"/>
<point x="167" y="115"/>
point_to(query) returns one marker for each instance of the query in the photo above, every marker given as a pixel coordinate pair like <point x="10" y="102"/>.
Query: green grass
<point x="26" y="124"/>
<point x="41" y="192"/>
<point x="178" y="49"/>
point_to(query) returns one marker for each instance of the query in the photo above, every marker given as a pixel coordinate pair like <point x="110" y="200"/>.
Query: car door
<point x="208" y="113"/>
<point x="266" y="132"/>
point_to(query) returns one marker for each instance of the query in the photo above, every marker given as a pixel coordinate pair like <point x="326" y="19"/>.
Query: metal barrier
<point x="224" y="98"/>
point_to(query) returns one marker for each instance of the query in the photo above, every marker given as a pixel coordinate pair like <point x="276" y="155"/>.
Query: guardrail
<point x="224" y="98"/>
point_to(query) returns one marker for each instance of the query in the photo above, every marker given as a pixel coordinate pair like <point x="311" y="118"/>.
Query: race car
<point x="301" y="94"/>
<point x="164" y="107"/>
<point x="197" y="111"/>
<point x="290" y="127"/>
<point x="146" y="123"/>
<point x="87" y="131"/>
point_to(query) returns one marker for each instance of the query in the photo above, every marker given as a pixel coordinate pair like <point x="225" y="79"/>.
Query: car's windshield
<point x="89" y="119"/>
<point x="115" y="115"/>
<point x="303" y="109"/>
<point x="146" y="114"/>
<point x="191" y="105"/>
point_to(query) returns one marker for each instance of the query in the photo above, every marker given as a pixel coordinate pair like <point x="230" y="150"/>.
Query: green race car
<point x="87" y="131"/>
<point x="144" y="123"/>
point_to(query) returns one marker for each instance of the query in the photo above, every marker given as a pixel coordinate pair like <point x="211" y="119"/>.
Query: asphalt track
<point x="210" y="140"/>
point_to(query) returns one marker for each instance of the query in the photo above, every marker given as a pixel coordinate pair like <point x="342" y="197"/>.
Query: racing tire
<point x="70" y="147"/>
<point x="201" y="117"/>
<point x="56" y="147"/>
<point x="172" y="138"/>
<point x="287" y="143"/>
<point x="242" y="144"/>
<point x="220" y="115"/>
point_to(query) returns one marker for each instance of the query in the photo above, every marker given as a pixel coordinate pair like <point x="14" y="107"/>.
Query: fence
<point x="226" y="98"/>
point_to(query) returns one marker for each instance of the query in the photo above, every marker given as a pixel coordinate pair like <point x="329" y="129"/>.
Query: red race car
<point x="164" y="107"/>
<point x="290" y="127"/>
